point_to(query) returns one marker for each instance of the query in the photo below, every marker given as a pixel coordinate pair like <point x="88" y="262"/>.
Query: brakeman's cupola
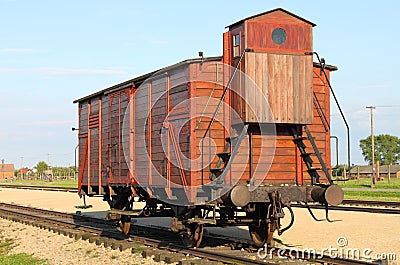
<point x="278" y="42"/>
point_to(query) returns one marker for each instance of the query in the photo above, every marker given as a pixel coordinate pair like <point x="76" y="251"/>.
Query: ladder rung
<point x="224" y="155"/>
<point x="300" y="138"/>
<point x="306" y="154"/>
<point x="230" y="138"/>
<point x="217" y="170"/>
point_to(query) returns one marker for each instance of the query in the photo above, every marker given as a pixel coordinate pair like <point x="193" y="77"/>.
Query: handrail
<point x="321" y="114"/>
<point x="337" y="104"/>
<point x="225" y="92"/>
<point x="217" y="109"/>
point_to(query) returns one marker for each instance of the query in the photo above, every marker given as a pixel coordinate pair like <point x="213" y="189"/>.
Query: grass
<point x="20" y="259"/>
<point x="6" y="245"/>
<point x="372" y="196"/>
<point x="368" y="194"/>
<point x="366" y="183"/>
<point x="54" y="183"/>
<point x="138" y="249"/>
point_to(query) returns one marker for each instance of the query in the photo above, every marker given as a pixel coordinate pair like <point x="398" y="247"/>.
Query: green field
<point x="54" y="183"/>
<point x="376" y="194"/>
<point x="366" y="183"/>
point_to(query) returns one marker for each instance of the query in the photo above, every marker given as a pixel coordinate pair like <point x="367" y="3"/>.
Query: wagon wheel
<point x="260" y="234"/>
<point x="123" y="203"/>
<point x="193" y="235"/>
<point x="125" y="224"/>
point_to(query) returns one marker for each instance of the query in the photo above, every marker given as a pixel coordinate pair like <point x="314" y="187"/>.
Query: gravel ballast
<point x="58" y="249"/>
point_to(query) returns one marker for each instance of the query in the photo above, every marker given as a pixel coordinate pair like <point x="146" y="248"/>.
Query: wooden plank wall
<point x="83" y="135"/>
<point x="118" y="103"/>
<point x="141" y="110"/>
<point x="286" y="83"/>
<point x="299" y="37"/>
<point x="283" y="166"/>
<point x="106" y="139"/>
<point x="154" y="100"/>
<point x="209" y="79"/>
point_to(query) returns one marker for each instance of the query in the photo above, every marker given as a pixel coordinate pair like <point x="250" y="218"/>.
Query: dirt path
<point x="379" y="233"/>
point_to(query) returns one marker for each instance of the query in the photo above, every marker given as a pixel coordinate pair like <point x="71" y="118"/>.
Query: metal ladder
<point x="231" y="148"/>
<point x="306" y="156"/>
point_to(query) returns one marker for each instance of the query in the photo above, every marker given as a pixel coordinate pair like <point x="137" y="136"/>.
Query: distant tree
<point x="387" y="149"/>
<point x="338" y="171"/>
<point x="41" y="167"/>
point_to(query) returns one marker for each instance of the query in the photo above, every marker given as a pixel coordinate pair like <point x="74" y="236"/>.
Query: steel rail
<point x="34" y="187"/>
<point x="24" y="213"/>
<point x="17" y="214"/>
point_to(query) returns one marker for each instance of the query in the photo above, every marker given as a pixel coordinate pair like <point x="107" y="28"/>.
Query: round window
<point x="279" y="36"/>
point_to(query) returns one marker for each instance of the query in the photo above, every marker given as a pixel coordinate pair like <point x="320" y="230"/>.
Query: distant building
<point x="366" y="171"/>
<point x="24" y="172"/>
<point x="6" y="171"/>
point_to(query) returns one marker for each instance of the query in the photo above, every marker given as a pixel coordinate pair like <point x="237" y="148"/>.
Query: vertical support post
<point x="358" y="173"/>
<point x="88" y="150"/>
<point x="251" y="155"/>
<point x="378" y="172"/>
<point x="131" y="134"/>
<point x="389" y="173"/>
<point x="100" y="144"/>
<point x="149" y="120"/>
<point x="168" y="163"/>
<point x="373" y="178"/>
<point x="2" y="167"/>
<point x="119" y="136"/>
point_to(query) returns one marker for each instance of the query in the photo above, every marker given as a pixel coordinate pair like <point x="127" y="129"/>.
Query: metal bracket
<point x="312" y="214"/>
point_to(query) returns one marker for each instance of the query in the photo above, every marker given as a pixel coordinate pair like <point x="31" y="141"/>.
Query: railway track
<point x="44" y="188"/>
<point x="98" y="231"/>
<point x="347" y="205"/>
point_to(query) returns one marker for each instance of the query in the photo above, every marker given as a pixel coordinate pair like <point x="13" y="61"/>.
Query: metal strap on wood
<point x="170" y="128"/>
<point x="83" y="163"/>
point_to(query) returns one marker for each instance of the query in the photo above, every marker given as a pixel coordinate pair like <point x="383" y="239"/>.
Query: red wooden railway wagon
<point x="216" y="141"/>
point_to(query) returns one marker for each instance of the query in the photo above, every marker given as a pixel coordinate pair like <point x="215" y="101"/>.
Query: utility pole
<point x="22" y="164"/>
<point x="2" y="167"/>
<point x="371" y="108"/>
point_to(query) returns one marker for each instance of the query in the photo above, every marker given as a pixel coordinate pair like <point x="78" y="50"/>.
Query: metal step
<point x="300" y="138"/>
<point x="217" y="171"/>
<point x="224" y="156"/>
<point x="306" y="154"/>
<point x="231" y="138"/>
<point x="314" y="168"/>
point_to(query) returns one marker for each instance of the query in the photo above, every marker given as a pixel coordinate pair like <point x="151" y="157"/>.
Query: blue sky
<point x="52" y="52"/>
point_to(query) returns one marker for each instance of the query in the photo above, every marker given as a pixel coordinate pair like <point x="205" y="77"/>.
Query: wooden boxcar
<point x="227" y="140"/>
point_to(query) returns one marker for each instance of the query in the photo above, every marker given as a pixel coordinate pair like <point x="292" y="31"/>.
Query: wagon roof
<point x="141" y="78"/>
<point x="271" y="11"/>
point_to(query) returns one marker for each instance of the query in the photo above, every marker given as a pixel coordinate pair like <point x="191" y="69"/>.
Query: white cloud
<point x="13" y="50"/>
<point x="62" y="71"/>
